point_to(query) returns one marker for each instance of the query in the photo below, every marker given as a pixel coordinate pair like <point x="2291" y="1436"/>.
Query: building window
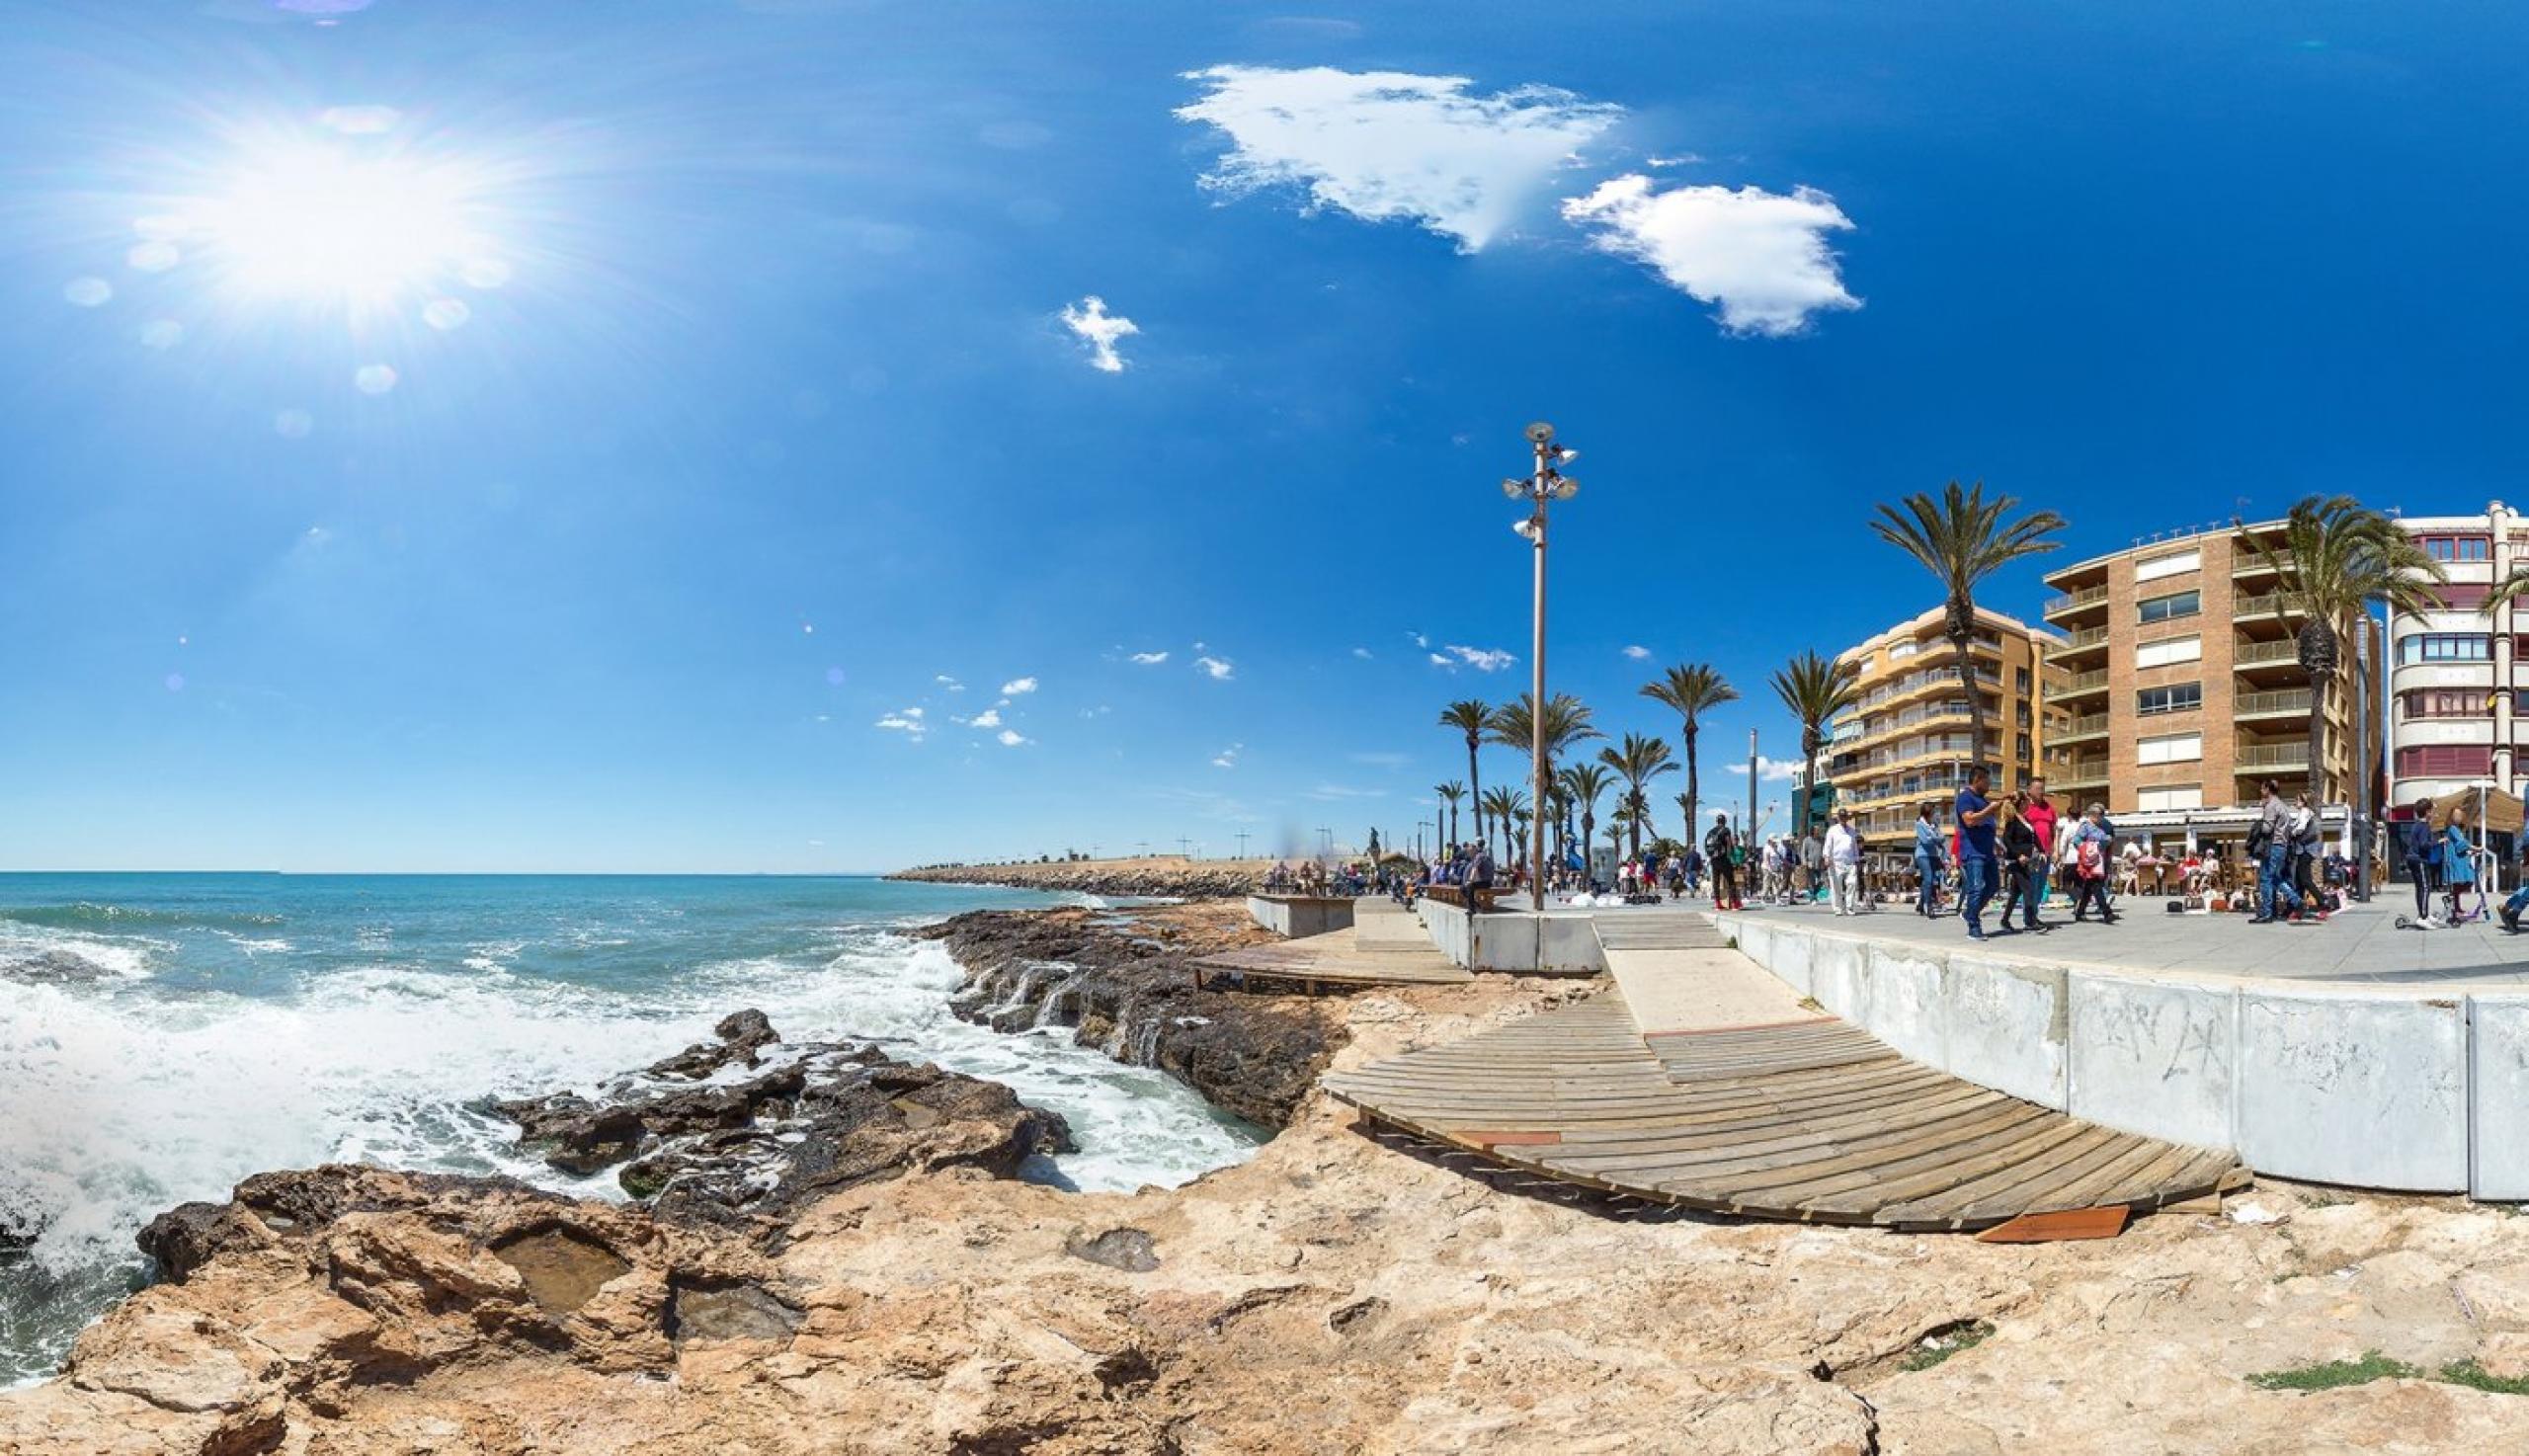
<point x="2169" y="748"/>
<point x="2175" y="605"/>
<point x="2461" y="596"/>
<point x="2448" y="703"/>
<point x="2024" y="680"/>
<point x="2172" y="565"/>
<point x="2445" y="647"/>
<point x="2168" y="650"/>
<point x="2174" y="700"/>
<point x="2446" y="760"/>
<point x="2459" y="547"/>
<point x="2171" y="796"/>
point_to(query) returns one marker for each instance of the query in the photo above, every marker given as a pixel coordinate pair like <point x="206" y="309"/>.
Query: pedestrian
<point x="2309" y="874"/>
<point x="2020" y="850"/>
<point x="2419" y="853"/>
<point x="1928" y="863"/>
<point x="1841" y="852"/>
<point x="1975" y="814"/>
<point x="2458" y="862"/>
<point x="2044" y="823"/>
<point x="2092" y="839"/>
<point x="1814" y="859"/>
<point x="1721" y="855"/>
<point x="2270" y="841"/>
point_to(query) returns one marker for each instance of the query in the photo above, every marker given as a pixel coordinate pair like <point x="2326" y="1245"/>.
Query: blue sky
<point x="474" y="436"/>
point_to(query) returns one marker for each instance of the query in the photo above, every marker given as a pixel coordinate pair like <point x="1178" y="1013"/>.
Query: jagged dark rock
<point x="743" y="1035"/>
<point x="1131" y="993"/>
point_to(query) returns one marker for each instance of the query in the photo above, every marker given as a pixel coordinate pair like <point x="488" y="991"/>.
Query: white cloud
<point x="1149" y="659"/>
<point x="1482" y="659"/>
<point x="1362" y="652"/>
<point x="1217" y="668"/>
<point x="1637" y="652"/>
<point x="949" y="684"/>
<point x="1761" y="256"/>
<point x="907" y="723"/>
<point x="1099" y="330"/>
<point x="1390" y="144"/>
<point x="1337" y="792"/>
<point x="1227" y="758"/>
<point x="1418" y="639"/>
<point x="1769" y="770"/>
<point x="1010" y="738"/>
<point x="1017" y="685"/>
<point x="988" y="718"/>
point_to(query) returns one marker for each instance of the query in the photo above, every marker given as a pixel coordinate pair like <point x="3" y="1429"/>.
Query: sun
<point x="310" y="222"/>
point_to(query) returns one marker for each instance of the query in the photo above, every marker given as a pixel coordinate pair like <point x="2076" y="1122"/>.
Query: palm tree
<point x="1814" y="689"/>
<point x="2338" y="556"/>
<point x="1504" y="804"/>
<point x="1567" y="722"/>
<point x="1690" y="691"/>
<point x="1450" y="792"/>
<point x="1471" y="716"/>
<point x="1962" y="538"/>
<point x="1558" y="807"/>
<point x="1584" y="783"/>
<point x="1617" y="823"/>
<point x="1640" y="760"/>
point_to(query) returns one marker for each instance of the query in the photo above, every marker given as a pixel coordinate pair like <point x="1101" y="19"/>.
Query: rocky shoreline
<point x="1342" y="1290"/>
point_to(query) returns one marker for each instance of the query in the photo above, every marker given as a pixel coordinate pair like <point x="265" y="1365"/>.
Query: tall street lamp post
<point x="1544" y="483"/>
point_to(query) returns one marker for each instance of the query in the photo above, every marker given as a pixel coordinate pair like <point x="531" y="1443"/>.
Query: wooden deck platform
<point x="1386" y="945"/>
<point x="1807" y="1118"/>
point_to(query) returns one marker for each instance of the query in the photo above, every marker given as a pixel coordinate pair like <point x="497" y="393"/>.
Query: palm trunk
<point x="2319" y="736"/>
<point x="1965" y="643"/>
<point x="1633" y="825"/>
<point x="1588" y="828"/>
<point x="1475" y="785"/>
<point x="1694" y="794"/>
<point x="1809" y="777"/>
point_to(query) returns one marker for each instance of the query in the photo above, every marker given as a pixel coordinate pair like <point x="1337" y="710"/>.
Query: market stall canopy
<point x="2500" y="812"/>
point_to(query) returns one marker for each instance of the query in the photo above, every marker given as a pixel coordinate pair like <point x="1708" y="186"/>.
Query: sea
<point x="164" y="1035"/>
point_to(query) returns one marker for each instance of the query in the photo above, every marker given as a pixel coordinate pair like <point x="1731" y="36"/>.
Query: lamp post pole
<point x="1544" y="483"/>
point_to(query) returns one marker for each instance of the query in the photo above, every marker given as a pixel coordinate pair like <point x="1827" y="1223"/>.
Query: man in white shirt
<point x="1843" y="862"/>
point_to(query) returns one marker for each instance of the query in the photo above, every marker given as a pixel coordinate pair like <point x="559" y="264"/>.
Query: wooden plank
<point x="2066" y="1224"/>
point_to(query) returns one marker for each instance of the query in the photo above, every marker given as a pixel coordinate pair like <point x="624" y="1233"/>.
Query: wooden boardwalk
<point x="1798" y="1115"/>
<point x="1386" y="945"/>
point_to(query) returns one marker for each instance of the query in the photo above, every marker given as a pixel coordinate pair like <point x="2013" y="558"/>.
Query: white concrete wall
<point x="1296" y="916"/>
<point x="2376" y="1089"/>
<point x="1513" y="941"/>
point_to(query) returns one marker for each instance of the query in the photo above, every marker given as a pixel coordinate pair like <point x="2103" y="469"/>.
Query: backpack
<point x="2093" y="862"/>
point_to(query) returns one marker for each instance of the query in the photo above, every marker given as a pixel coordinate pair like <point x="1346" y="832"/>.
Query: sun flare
<point x="305" y="221"/>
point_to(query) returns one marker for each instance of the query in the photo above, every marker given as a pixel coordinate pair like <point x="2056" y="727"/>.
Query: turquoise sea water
<point x="163" y="1035"/>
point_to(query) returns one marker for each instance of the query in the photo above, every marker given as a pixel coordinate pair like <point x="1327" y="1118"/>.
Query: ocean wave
<point x="33" y="953"/>
<point x="88" y="915"/>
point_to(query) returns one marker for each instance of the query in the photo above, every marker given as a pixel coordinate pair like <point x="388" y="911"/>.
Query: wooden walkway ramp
<point x="1800" y="1116"/>
<point x="1386" y="945"/>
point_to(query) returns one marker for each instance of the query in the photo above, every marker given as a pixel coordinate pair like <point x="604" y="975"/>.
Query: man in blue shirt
<point x="1975" y="815"/>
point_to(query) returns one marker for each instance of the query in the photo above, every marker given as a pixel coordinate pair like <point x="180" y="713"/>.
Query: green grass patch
<point x="2473" y="1375"/>
<point x="2336" y="1374"/>
<point x="1942" y="1343"/>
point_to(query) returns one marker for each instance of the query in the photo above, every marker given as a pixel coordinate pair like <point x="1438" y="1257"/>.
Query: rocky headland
<point x="1159" y="876"/>
<point x="1341" y="1291"/>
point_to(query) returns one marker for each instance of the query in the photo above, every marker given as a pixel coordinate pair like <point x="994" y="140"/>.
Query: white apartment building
<point x="2454" y="684"/>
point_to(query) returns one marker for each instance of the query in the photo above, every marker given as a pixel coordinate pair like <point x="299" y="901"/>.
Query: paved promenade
<point x="2362" y="945"/>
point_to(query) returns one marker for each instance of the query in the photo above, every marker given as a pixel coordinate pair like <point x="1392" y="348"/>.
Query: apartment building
<point x="2455" y="693"/>
<point x="2181" y="686"/>
<point x="1906" y="743"/>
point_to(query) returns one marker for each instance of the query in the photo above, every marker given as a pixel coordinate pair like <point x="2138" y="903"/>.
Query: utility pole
<point x="1545" y="483"/>
<point x="1324" y="842"/>
<point x="1241" y="844"/>
<point x="1751" y="780"/>
<point x="1184" y="848"/>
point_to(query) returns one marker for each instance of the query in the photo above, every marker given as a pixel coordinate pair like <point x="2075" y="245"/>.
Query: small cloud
<point x="1216" y="668"/>
<point x="1482" y="659"/>
<point x="1388" y="145"/>
<point x="1227" y="758"/>
<point x="1010" y="738"/>
<point x="1761" y="256"/>
<point x="1149" y="659"/>
<point x="1337" y="792"/>
<point x="1770" y="770"/>
<point x="1362" y="652"/>
<point x="1681" y="159"/>
<point x="1017" y="685"/>
<point x="1418" y="639"/>
<point x="1637" y="652"/>
<point x="949" y="684"/>
<point x="1099" y="330"/>
<point x="988" y="718"/>
<point x="908" y="722"/>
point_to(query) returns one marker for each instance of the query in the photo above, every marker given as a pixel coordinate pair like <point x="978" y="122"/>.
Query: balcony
<point x="2081" y="641"/>
<point x="2260" y="606"/>
<point x="2262" y="756"/>
<point x="2081" y="684"/>
<point x="2079" y="729"/>
<point x="2293" y="704"/>
<point x="2073" y="602"/>
<point x="2263" y="654"/>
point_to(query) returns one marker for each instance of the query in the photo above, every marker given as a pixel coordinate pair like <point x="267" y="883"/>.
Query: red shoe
<point x="1738" y="904"/>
